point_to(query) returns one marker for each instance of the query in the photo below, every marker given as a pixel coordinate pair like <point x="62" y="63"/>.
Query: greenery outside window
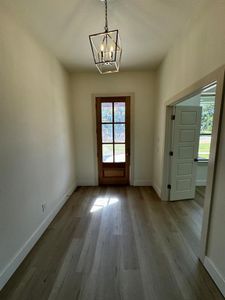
<point x="207" y="103"/>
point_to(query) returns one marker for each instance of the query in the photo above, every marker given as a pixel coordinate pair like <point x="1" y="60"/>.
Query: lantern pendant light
<point x="106" y="48"/>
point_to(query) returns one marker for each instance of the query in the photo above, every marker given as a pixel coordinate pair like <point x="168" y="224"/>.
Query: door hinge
<point x="171" y="153"/>
<point x="173" y="117"/>
<point x="169" y="186"/>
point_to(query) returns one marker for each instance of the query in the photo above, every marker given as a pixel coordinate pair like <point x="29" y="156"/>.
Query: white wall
<point x="188" y="61"/>
<point x="216" y="243"/>
<point x="36" y="141"/>
<point x="200" y="51"/>
<point x="202" y="172"/>
<point x="192" y="101"/>
<point x="84" y="86"/>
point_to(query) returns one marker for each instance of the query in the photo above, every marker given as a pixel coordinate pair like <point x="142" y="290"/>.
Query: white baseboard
<point x="86" y="182"/>
<point x="142" y="183"/>
<point x="29" y="244"/>
<point x="201" y="182"/>
<point x="215" y="274"/>
<point x="89" y="182"/>
<point x="157" y="190"/>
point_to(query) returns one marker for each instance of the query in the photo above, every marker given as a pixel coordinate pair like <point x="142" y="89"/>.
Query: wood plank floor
<point x="200" y="195"/>
<point x="116" y="243"/>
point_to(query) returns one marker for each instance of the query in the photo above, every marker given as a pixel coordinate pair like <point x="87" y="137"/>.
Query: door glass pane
<point x="107" y="153"/>
<point x="120" y="153"/>
<point x="119" y="112"/>
<point x="106" y="109"/>
<point x="119" y="133"/>
<point x="107" y="133"/>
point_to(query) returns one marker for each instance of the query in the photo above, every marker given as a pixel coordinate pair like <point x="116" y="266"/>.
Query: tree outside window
<point x="207" y="103"/>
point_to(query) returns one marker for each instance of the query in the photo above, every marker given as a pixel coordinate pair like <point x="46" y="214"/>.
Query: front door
<point x="113" y="139"/>
<point x="185" y="141"/>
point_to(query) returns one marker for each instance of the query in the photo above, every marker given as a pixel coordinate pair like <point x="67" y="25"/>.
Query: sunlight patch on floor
<point x="102" y="202"/>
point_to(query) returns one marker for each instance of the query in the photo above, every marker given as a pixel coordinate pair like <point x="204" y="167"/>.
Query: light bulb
<point x="111" y="52"/>
<point x="102" y="47"/>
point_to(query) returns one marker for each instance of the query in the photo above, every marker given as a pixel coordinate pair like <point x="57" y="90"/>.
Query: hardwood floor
<point x="200" y="195"/>
<point x="116" y="243"/>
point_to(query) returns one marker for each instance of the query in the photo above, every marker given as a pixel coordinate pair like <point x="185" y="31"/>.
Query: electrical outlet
<point x="43" y="207"/>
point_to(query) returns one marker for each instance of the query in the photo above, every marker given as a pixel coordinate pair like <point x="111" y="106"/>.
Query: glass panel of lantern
<point x="106" y="49"/>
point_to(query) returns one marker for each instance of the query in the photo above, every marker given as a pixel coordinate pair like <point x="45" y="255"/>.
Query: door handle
<point x="196" y="159"/>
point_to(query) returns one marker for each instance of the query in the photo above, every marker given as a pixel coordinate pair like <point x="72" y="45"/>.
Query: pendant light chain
<point x="106" y="17"/>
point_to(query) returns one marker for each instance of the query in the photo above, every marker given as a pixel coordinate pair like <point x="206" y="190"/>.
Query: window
<point x="113" y="123"/>
<point x="207" y="103"/>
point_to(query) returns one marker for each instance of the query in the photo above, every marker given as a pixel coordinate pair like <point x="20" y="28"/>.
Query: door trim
<point x="114" y="166"/>
<point x="132" y="103"/>
<point x="215" y="77"/>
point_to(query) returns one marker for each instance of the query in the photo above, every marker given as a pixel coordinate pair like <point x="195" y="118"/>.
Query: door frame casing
<point x="110" y="95"/>
<point x="120" y="167"/>
<point x="218" y="77"/>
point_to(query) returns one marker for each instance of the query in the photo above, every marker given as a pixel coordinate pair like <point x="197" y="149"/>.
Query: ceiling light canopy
<point x="106" y="48"/>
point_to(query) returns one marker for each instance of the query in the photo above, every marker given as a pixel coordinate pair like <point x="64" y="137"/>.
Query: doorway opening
<point x="113" y="140"/>
<point x="191" y="136"/>
<point x="193" y="119"/>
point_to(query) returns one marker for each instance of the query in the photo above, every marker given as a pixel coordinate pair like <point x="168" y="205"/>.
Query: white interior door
<point x="185" y="141"/>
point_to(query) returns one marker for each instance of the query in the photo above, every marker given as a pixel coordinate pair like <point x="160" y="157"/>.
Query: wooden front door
<point x="113" y="139"/>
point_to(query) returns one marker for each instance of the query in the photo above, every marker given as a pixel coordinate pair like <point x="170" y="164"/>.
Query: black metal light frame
<point x="112" y="63"/>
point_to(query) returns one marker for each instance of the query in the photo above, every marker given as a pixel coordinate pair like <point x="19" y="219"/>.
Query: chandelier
<point x="106" y="48"/>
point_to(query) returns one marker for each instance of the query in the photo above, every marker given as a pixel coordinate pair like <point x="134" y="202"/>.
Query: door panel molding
<point x="186" y="132"/>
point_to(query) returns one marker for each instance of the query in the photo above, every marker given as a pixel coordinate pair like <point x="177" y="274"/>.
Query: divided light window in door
<point x="113" y="139"/>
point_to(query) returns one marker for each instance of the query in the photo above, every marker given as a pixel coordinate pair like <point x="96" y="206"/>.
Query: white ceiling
<point x="148" y="28"/>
